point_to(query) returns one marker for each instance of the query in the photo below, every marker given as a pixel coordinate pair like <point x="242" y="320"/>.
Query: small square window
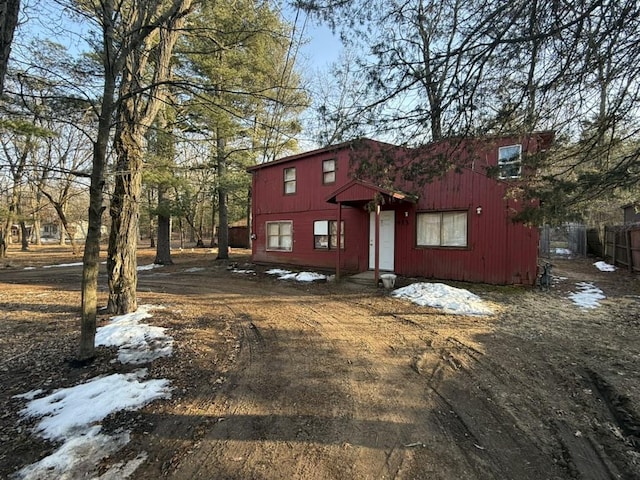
<point x="329" y="171"/>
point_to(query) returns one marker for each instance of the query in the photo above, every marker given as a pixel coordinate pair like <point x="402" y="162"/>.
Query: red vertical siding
<point x="498" y="250"/>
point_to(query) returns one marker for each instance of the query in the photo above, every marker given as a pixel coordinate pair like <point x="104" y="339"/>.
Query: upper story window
<point x="290" y="181"/>
<point x="510" y="161"/>
<point x="329" y="171"/>
<point x="441" y="229"/>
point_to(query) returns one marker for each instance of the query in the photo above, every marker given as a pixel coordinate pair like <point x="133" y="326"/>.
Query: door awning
<point x="359" y="192"/>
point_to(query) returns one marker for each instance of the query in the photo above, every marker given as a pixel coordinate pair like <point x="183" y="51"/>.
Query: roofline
<point x="330" y="148"/>
<point x="351" y="143"/>
<point x="397" y="194"/>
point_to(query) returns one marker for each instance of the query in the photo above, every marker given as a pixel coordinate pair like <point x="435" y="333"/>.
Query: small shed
<point x="239" y="234"/>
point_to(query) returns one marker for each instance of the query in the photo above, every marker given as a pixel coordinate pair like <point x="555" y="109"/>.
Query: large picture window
<point x="441" y="229"/>
<point x="510" y="161"/>
<point x="329" y="171"/>
<point x="290" y="181"/>
<point x="280" y="236"/>
<point x="325" y="235"/>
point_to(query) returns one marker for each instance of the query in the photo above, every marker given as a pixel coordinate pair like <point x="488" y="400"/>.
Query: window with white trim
<point x="290" y="181"/>
<point x="441" y="229"/>
<point x="329" y="171"/>
<point x="510" y="161"/>
<point x="325" y="234"/>
<point x="280" y="236"/>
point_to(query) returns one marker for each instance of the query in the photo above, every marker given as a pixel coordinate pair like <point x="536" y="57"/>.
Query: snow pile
<point x="450" y="299"/>
<point x="298" y="277"/>
<point x="562" y="251"/>
<point x="137" y="342"/>
<point x="587" y="296"/>
<point x="73" y="415"/>
<point x="605" y="267"/>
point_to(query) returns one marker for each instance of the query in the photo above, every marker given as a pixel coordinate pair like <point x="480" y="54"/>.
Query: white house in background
<point x="50" y="232"/>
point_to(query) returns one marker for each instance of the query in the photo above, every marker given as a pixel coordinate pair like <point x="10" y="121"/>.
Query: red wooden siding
<point x="498" y="250"/>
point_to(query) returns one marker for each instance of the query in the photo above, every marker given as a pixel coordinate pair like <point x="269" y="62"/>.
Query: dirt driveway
<point x="282" y="380"/>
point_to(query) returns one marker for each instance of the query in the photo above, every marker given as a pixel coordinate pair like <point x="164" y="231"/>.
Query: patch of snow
<point x="562" y="251"/>
<point x="73" y="415"/>
<point x="68" y="411"/>
<point x="605" y="267"/>
<point x="588" y="295"/>
<point x="304" y="277"/>
<point x="194" y="269"/>
<point x="235" y="270"/>
<point x="137" y="342"/>
<point x="450" y="299"/>
<point x="298" y="277"/>
<point x="76" y="456"/>
<point x="76" y="264"/>
<point x="277" y="271"/>
<point x="151" y="266"/>
<point x="123" y="470"/>
<point x="30" y="395"/>
<point x="29" y="268"/>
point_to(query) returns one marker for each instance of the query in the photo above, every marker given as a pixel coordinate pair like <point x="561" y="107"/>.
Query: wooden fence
<point x="622" y="246"/>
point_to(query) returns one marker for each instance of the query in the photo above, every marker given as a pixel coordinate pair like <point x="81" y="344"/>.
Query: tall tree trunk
<point x="91" y="256"/>
<point x="123" y="238"/>
<point x="9" y="10"/>
<point x="3" y="244"/>
<point x="24" y="236"/>
<point x="163" y="251"/>
<point x="223" y="214"/>
<point x="136" y="114"/>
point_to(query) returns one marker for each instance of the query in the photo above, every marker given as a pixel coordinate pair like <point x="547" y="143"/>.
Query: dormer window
<point x="510" y="161"/>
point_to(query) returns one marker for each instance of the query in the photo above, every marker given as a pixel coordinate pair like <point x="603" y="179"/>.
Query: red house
<point x="458" y="226"/>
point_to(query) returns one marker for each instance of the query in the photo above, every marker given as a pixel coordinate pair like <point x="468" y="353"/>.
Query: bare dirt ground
<point x="278" y="380"/>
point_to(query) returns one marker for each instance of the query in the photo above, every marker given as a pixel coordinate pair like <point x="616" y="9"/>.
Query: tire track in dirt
<point x="341" y="386"/>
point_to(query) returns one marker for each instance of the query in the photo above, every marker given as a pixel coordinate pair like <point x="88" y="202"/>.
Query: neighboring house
<point x="52" y="231"/>
<point x="456" y="227"/>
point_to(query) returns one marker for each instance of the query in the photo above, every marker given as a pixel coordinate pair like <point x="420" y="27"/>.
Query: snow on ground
<point x="75" y="264"/>
<point x="562" y="251"/>
<point x="588" y="295"/>
<point x="247" y="272"/>
<point x="298" y="277"/>
<point x="605" y="267"/>
<point x="194" y="269"/>
<point x="72" y="415"/>
<point x="137" y="342"/>
<point x="151" y="266"/>
<point x="450" y="299"/>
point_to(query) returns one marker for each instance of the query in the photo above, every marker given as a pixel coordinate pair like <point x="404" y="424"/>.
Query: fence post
<point x="629" y="253"/>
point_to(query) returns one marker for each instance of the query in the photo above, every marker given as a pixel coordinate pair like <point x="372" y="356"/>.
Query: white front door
<point x="387" y="236"/>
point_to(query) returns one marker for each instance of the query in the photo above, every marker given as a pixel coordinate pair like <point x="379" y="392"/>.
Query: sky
<point x="71" y="417"/>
